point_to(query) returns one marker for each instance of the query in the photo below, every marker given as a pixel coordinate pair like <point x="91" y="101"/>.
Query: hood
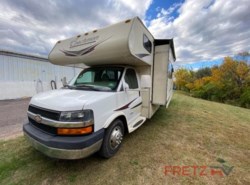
<point x="67" y="99"/>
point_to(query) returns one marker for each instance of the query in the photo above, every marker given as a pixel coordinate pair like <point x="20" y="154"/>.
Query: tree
<point x="228" y="83"/>
<point x="182" y="78"/>
<point x="203" y="72"/>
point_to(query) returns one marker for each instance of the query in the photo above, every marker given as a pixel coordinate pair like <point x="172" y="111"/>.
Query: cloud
<point x="169" y="11"/>
<point x="205" y="30"/>
<point x="34" y="26"/>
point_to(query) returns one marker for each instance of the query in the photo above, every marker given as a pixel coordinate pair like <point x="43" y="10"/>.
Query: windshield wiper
<point x="88" y="86"/>
<point x="68" y="86"/>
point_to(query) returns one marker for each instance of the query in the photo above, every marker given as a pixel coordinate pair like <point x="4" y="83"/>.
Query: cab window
<point x="101" y="78"/>
<point x="131" y="79"/>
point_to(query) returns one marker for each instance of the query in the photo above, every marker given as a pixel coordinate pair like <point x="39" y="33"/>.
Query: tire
<point x="112" y="139"/>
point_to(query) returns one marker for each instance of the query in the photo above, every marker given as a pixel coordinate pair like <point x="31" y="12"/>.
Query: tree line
<point x="227" y="83"/>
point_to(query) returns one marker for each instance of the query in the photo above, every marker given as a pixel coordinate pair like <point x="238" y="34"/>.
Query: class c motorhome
<point x="127" y="76"/>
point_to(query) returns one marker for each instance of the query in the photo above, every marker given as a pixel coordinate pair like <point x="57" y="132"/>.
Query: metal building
<point x="23" y="75"/>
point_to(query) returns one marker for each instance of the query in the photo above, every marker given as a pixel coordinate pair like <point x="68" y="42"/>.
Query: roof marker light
<point x="127" y="21"/>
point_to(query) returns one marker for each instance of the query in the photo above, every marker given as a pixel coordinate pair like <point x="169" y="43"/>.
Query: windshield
<point x="98" y="78"/>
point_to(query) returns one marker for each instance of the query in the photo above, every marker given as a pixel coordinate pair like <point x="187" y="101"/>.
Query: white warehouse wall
<point x="24" y="75"/>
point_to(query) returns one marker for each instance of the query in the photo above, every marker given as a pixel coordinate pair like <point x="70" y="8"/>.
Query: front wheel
<point x="112" y="139"/>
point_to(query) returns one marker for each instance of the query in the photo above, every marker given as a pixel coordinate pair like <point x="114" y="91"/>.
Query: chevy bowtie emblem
<point x="38" y="118"/>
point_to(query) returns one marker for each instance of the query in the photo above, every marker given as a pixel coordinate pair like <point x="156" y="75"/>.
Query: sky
<point x="204" y="31"/>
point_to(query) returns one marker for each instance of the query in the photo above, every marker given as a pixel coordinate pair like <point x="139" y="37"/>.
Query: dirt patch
<point x="13" y="114"/>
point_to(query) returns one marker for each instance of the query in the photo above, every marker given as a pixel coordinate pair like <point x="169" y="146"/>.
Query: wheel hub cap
<point x="115" y="137"/>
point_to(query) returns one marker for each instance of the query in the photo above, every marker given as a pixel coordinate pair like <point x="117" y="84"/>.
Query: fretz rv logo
<point x="195" y="170"/>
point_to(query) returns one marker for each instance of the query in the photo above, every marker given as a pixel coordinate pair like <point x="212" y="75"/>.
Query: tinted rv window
<point x="147" y="44"/>
<point x="170" y="70"/>
<point x="131" y="79"/>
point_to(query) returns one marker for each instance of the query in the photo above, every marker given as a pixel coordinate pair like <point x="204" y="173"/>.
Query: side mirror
<point x="64" y="81"/>
<point x="125" y="86"/>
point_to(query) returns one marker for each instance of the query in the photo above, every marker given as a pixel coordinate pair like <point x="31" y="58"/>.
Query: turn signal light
<point x="74" y="131"/>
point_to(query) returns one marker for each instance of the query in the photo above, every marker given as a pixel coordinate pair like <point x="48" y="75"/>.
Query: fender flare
<point x="113" y="117"/>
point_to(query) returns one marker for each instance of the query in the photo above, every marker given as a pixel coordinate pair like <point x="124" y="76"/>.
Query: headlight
<point x="76" y="116"/>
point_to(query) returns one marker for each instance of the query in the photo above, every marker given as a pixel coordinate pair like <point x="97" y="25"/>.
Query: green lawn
<point x="190" y="132"/>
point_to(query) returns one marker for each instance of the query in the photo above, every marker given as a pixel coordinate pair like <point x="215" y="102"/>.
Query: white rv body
<point x="127" y="76"/>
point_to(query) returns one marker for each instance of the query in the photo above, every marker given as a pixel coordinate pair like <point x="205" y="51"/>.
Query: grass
<point x="190" y="132"/>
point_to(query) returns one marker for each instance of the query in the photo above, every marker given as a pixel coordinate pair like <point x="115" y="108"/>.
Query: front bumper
<point x="63" y="147"/>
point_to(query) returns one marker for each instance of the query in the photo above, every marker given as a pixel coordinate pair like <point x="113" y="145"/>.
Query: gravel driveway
<point x="13" y="113"/>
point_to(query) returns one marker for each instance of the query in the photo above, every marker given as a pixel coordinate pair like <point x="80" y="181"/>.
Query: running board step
<point x="137" y="123"/>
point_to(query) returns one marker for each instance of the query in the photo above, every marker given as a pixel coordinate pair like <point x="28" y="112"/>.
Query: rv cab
<point x="126" y="76"/>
